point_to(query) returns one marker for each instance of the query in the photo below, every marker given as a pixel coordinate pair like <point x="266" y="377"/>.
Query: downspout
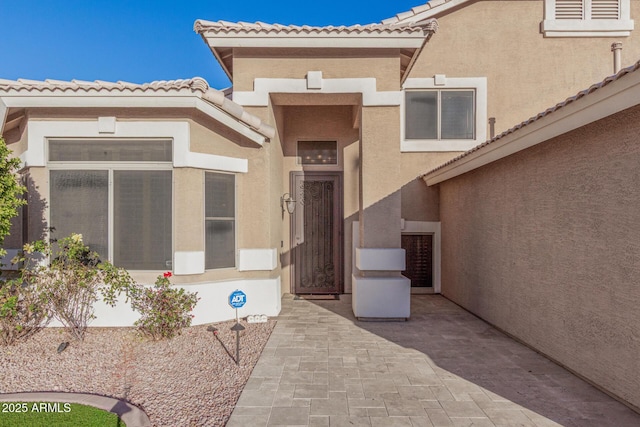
<point x="616" y="48"/>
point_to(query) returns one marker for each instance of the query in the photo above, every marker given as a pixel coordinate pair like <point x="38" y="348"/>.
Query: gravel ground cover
<point x="190" y="380"/>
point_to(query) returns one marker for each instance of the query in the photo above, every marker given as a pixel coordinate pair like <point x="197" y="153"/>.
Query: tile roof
<point x="225" y="27"/>
<point x="196" y="86"/>
<point x="403" y="16"/>
<point x="545" y="113"/>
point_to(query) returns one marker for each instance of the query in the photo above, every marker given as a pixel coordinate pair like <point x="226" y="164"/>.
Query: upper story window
<point x="587" y="18"/>
<point x="444" y="114"/>
<point x="440" y="114"/>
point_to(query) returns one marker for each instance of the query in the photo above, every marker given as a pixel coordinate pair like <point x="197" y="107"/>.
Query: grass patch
<point x="41" y="414"/>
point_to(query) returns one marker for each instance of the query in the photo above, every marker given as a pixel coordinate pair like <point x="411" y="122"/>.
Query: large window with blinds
<point x="440" y="114"/>
<point x="576" y="18"/>
<point x="220" y="220"/>
<point x="118" y="195"/>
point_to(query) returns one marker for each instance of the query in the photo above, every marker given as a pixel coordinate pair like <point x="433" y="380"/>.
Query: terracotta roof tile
<point x="196" y="84"/>
<point x="545" y="113"/>
<point x="225" y="27"/>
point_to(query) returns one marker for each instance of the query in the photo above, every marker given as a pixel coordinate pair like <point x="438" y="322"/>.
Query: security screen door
<point x="316" y="233"/>
<point x="419" y="250"/>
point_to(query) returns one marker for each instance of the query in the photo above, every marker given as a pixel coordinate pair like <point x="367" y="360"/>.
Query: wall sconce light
<point x="288" y="203"/>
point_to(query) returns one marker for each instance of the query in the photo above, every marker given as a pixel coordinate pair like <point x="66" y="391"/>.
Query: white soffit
<point x="614" y="94"/>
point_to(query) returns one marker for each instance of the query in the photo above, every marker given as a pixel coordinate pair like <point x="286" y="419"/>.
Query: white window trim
<point x="552" y="27"/>
<point x="439" y="82"/>
<point x="433" y="228"/>
<point x="367" y="86"/>
<point x="41" y="130"/>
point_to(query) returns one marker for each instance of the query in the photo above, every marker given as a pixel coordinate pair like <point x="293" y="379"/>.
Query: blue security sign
<point x="237" y="299"/>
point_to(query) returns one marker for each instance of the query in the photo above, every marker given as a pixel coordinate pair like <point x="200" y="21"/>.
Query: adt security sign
<point x="237" y="299"/>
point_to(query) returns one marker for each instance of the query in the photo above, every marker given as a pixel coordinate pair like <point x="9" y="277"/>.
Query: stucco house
<point x="307" y="176"/>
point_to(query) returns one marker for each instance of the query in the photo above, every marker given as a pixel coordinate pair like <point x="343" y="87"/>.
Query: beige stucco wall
<point x="249" y="64"/>
<point x="526" y="72"/>
<point x="545" y="245"/>
<point x="254" y="198"/>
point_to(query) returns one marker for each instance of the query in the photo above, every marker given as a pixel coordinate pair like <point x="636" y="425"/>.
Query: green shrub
<point x="164" y="310"/>
<point x="23" y="311"/>
<point x="10" y="191"/>
<point x="72" y="282"/>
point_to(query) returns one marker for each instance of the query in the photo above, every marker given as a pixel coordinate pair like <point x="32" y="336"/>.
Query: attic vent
<point x="605" y="9"/>
<point x="570" y="9"/>
<point x="587" y="9"/>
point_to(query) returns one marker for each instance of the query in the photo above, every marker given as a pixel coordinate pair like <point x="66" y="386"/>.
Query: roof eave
<point x="132" y="101"/>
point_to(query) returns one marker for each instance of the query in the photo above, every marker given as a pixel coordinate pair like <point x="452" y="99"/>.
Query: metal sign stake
<point x="237" y="300"/>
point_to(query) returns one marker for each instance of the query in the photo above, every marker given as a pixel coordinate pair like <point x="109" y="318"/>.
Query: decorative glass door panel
<point x="317" y="233"/>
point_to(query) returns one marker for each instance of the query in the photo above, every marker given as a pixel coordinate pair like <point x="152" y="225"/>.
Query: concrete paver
<point x="444" y="367"/>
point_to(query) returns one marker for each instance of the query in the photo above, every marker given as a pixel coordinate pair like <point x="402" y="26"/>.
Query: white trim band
<point x="380" y="259"/>
<point x="41" y="130"/>
<point x="188" y="262"/>
<point x="366" y="86"/>
<point x="257" y="259"/>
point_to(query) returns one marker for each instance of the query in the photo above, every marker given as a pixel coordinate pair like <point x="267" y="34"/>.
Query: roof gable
<point x="222" y="37"/>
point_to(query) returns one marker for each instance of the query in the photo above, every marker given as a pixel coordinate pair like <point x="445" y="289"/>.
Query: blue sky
<point x="145" y="40"/>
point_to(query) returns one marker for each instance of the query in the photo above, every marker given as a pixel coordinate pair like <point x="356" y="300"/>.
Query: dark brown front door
<point x="317" y="233"/>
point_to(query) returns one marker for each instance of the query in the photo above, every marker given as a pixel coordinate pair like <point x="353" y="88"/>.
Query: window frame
<point x="442" y="83"/>
<point x="205" y="219"/>
<point x="111" y="167"/>
<point x="587" y="27"/>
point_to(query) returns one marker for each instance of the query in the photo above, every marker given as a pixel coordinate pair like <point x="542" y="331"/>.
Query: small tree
<point x="10" y="190"/>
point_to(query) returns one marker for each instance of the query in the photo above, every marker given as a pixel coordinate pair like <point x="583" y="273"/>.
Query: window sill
<point x="426" y="145"/>
<point x="587" y="28"/>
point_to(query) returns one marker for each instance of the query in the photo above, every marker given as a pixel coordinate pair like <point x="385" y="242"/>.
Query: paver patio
<point x="444" y="367"/>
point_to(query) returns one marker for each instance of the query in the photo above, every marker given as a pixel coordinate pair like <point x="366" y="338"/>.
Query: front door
<point x="316" y="233"/>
